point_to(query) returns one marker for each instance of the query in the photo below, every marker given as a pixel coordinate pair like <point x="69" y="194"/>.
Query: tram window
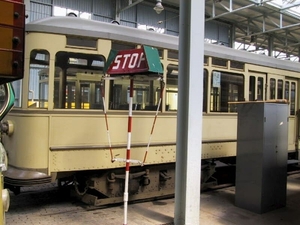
<point x="122" y="46"/>
<point x="256" y="86"/>
<point x="287" y="90"/>
<point x="260" y="88"/>
<point x="293" y="98"/>
<point x="205" y="84"/>
<point x="272" y="88"/>
<point x="84" y="95"/>
<point x="219" y="62"/>
<point x="38" y="79"/>
<point x="205" y="60"/>
<point x="252" y="88"/>
<point x="172" y="88"/>
<point x="280" y="89"/>
<point x="173" y="54"/>
<point x="237" y="65"/>
<point x="146" y="94"/>
<point x="77" y="81"/>
<point x="17" y="86"/>
<point x="81" y="42"/>
<point x="226" y="87"/>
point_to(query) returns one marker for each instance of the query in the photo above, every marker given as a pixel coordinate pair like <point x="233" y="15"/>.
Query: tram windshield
<point x="38" y="79"/>
<point x="77" y="80"/>
<point x="77" y="83"/>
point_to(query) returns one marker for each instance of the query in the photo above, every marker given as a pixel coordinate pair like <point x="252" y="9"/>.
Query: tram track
<point x="51" y="204"/>
<point x="52" y="193"/>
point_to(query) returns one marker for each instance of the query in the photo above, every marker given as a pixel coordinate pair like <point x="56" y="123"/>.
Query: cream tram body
<point x="58" y="122"/>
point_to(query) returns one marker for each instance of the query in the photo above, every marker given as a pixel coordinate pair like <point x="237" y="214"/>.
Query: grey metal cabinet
<point x="261" y="167"/>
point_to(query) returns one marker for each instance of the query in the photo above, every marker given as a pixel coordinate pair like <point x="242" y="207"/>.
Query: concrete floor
<point x="217" y="207"/>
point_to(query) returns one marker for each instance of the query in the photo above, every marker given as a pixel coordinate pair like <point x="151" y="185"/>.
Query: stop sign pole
<point x="132" y="62"/>
<point x="128" y="152"/>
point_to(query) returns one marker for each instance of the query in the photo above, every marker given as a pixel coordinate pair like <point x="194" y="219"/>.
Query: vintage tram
<point x="57" y="130"/>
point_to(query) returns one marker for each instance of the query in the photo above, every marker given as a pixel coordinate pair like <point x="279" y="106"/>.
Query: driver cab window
<point x="38" y="79"/>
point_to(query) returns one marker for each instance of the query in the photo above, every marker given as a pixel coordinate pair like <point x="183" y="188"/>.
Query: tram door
<point x="280" y="87"/>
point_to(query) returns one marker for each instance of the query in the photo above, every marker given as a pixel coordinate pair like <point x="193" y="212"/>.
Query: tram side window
<point x="287" y="90"/>
<point x="272" y="88"/>
<point x="172" y="88"/>
<point x="146" y="94"/>
<point x="290" y="95"/>
<point x="38" y="79"/>
<point x="280" y="89"/>
<point x="293" y="99"/>
<point x="256" y="85"/>
<point x="252" y="88"/>
<point x="77" y="81"/>
<point x="226" y="87"/>
<point x="260" y="88"/>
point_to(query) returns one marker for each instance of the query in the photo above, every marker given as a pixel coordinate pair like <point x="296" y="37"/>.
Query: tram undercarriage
<point x="146" y="182"/>
<point x="108" y="187"/>
<point x="105" y="187"/>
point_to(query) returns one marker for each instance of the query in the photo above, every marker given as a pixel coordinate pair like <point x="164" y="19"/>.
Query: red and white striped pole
<point x="128" y="152"/>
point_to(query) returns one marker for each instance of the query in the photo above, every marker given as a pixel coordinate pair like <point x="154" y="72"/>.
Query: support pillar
<point x="189" y="119"/>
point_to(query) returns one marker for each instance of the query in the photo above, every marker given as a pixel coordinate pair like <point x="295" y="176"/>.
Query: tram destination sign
<point x="133" y="61"/>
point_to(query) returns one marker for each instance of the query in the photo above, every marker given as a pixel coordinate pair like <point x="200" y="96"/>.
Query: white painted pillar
<point x="189" y="120"/>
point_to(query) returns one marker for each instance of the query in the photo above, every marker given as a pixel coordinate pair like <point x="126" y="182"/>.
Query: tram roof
<point x="90" y="28"/>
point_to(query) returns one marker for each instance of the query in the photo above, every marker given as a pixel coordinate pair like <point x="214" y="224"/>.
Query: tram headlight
<point x="5" y="199"/>
<point x="3" y="158"/>
<point x="7" y="127"/>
